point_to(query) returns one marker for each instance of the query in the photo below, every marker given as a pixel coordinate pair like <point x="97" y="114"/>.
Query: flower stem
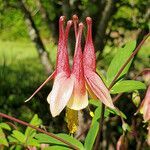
<point x="98" y="139"/>
<point x="40" y="130"/>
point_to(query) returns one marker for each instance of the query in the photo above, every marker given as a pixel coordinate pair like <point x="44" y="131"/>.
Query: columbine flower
<point x="145" y="110"/>
<point x="63" y="82"/>
<point x="94" y="83"/>
<point x="69" y="88"/>
<point x="79" y="98"/>
<point x="145" y="106"/>
<point x="122" y="143"/>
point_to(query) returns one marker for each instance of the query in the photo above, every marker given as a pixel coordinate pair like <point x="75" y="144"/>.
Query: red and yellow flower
<point x="71" y="86"/>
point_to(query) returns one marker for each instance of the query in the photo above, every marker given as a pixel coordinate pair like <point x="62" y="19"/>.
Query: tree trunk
<point x="35" y="37"/>
<point x="144" y="31"/>
<point x="45" y="16"/>
<point x="66" y="9"/>
<point x="102" y="25"/>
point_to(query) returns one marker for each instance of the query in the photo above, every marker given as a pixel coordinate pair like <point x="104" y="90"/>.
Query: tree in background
<point x="112" y="18"/>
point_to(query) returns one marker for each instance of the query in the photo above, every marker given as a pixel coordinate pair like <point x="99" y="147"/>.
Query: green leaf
<point x="5" y="126"/>
<point x="95" y="102"/>
<point x="16" y="147"/>
<point x="29" y="141"/>
<point x="97" y="113"/>
<point x="106" y="113"/>
<point x="109" y="111"/>
<point x="32" y="142"/>
<point x="71" y="140"/>
<point x="43" y="138"/>
<point x="12" y="139"/>
<point x="19" y="136"/>
<point x="57" y="147"/>
<point x="119" y="59"/>
<point x="36" y="122"/>
<point x="3" y="140"/>
<point x="91" y="136"/>
<point x="115" y="111"/>
<point x="127" y="86"/>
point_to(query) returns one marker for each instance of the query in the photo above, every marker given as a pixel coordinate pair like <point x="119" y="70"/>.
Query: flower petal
<point x="62" y="62"/>
<point x="99" y="88"/>
<point x="146" y="106"/>
<point x="77" y="102"/>
<point x="89" y="55"/>
<point x="79" y="98"/>
<point x="91" y="93"/>
<point x="60" y="94"/>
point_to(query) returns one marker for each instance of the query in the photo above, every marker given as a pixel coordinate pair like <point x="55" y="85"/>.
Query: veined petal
<point x="98" y="88"/>
<point x="61" y="93"/>
<point x="62" y="62"/>
<point x="89" y="56"/>
<point x="146" y="106"/>
<point x="79" y="98"/>
<point x="91" y="93"/>
<point x="146" y="111"/>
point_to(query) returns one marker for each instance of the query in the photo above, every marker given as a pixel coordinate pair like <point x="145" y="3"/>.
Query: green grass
<point x="21" y="72"/>
<point x="12" y="52"/>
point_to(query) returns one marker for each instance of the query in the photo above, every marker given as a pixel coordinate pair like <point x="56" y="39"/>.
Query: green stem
<point x="40" y="130"/>
<point x="96" y="147"/>
<point x="98" y="139"/>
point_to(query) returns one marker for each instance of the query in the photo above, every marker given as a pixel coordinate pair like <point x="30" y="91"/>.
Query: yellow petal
<point x="79" y="98"/>
<point x="77" y="101"/>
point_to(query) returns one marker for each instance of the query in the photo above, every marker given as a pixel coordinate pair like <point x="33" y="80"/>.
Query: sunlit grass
<point x="11" y="52"/>
<point x="21" y="72"/>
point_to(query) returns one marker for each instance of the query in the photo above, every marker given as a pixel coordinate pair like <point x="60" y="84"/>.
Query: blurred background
<point x="28" y="46"/>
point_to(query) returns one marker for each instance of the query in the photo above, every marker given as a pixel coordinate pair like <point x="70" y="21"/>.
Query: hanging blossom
<point x="94" y="83"/>
<point x="70" y="86"/>
<point x="145" y="106"/>
<point x="145" y="110"/>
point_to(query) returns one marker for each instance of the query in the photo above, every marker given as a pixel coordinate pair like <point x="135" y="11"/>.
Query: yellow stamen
<point x="91" y="114"/>
<point x="72" y="120"/>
